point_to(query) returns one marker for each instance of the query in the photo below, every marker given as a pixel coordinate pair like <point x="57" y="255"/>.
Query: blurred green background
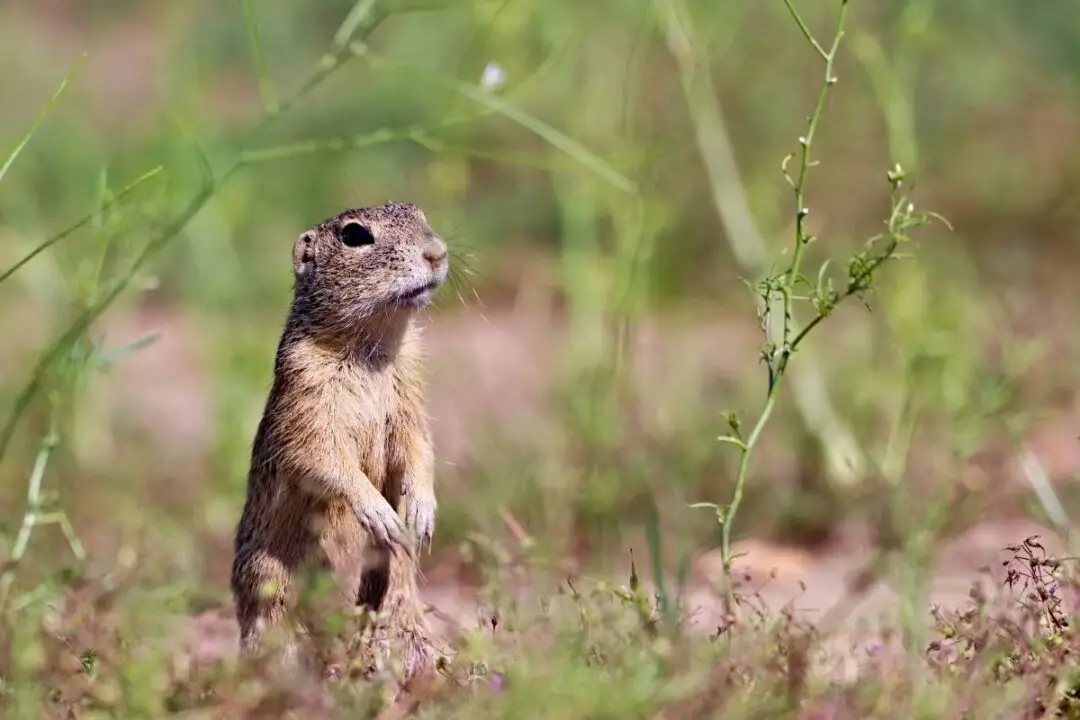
<point x="603" y="206"/>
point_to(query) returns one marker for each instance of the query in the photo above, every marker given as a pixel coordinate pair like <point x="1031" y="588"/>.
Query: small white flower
<point x="494" y="77"/>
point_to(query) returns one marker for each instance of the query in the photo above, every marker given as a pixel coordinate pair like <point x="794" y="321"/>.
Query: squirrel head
<point x="368" y="262"/>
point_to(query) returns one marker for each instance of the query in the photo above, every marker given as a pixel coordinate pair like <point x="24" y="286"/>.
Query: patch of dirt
<point x="815" y="583"/>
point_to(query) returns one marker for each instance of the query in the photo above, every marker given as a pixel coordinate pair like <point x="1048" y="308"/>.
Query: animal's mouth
<point x="419" y="295"/>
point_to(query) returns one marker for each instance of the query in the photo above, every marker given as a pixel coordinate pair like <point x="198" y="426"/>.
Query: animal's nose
<point x="435" y="251"/>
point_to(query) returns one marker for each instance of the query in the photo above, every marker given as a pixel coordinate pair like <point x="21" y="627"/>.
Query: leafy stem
<point x="784" y="288"/>
<point x="34" y="516"/>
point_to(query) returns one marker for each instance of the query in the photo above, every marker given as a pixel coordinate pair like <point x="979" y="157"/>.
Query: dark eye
<point x="355" y="235"/>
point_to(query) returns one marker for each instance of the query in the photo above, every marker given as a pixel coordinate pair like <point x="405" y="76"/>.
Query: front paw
<point x="384" y="526"/>
<point x="420" y="506"/>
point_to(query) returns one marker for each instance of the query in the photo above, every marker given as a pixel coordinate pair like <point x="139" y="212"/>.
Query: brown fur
<point x="342" y="459"/>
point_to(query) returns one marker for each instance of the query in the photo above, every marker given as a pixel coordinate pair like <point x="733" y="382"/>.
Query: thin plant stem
<point x="779" y="357"/>
<point x="846" y="460"/>
<point x="806" y="31"/>
<point x="70" y="229"/>
<point x="33" y="517"/>
<point x="267" y="92"/>
<point x="14" y="154"/>
<point x="802" y="239"/>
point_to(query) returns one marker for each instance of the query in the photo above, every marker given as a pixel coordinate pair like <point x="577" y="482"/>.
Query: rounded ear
<point x="303" y="254"/>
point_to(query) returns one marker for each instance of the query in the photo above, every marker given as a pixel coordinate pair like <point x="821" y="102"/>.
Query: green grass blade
<point x="84" y="220"/>
<point x="266" y="85"/>
<point x="656" y="558"/>
<point x="40" y="118"/>
<point x="358" y="15"/>
<point x="106" y="360"/>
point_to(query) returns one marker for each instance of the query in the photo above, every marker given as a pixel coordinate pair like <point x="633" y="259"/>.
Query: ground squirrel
<point x="342" y="460"/>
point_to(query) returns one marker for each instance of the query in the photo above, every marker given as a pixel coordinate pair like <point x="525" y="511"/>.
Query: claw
<point x="419" y="515"/>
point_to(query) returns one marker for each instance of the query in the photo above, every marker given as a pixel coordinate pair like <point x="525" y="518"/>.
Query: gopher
<point x="342" y="464"/>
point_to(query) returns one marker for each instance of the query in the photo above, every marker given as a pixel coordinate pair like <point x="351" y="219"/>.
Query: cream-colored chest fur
<point x="355" y="409"/>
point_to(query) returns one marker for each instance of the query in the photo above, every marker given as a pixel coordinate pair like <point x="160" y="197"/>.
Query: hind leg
<point x="383" y="581"/>
<point x="389" y="587"/>
<point x="262" y="584"/>
<point x="263" y="581"/>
